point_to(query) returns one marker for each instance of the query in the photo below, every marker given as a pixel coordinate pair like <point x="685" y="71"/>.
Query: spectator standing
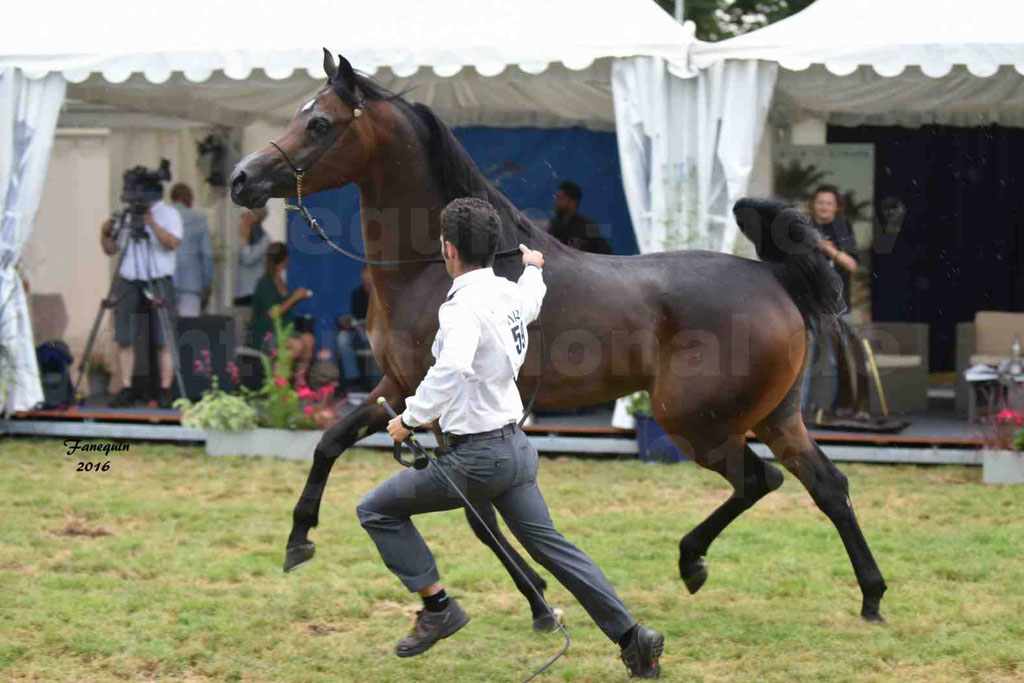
<point x="571" y="227"/>
<point x="193" y="273"/>
<point x="840" y="247"/>
<point x="253" y="242"/>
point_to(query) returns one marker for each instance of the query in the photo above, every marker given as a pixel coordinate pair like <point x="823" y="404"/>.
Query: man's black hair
<point x="830" y="188"/>
<point x="473" y="226"/>
<point x="572" y="190"/>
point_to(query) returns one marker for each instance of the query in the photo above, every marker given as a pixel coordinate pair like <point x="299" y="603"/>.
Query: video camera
<point x="143" y="188"/>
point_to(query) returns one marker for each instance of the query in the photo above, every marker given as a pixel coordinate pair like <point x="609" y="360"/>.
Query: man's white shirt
<point x="136" y="264"/>
<point x="480" y="345"/>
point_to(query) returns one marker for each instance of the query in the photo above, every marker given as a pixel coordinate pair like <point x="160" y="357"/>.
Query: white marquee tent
<point x="848" y="62"/>
<point x="225" y="62"/>
<point x="477" y="62"/>
<point x="891" y="62"/>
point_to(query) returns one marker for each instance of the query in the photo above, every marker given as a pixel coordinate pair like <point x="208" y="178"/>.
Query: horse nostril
<point x="238" y="183"/>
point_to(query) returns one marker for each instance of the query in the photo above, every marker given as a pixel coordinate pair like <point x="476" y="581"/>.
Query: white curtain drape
<point x="28" y="120"/>
<point x="687" y="147"/>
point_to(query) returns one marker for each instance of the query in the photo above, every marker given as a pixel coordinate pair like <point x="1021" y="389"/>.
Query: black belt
<point x="464" y="438"/>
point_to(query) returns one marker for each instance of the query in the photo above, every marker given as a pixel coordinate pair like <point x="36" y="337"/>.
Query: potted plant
<point x="1004" y="462"/>
<point x="653" y="443"/>
<point x="99" y="375"/>
<point x="275" y="420"/>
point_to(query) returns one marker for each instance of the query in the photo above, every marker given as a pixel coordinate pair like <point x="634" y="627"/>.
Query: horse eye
<point x="318" y="126"/>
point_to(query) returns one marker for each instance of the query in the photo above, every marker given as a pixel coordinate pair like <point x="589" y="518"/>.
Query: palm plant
<point x="796" y="182"/>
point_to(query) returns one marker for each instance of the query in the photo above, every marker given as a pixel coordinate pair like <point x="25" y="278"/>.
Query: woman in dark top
<point x="272" y="299"/>
<point x="840" y="247"/>
<point x="838" y="242"/>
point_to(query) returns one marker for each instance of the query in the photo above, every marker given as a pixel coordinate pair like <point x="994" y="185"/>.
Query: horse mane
<point x="455" y="172"/>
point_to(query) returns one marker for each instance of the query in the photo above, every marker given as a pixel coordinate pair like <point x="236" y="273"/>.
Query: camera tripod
<point x="142" y="253"/>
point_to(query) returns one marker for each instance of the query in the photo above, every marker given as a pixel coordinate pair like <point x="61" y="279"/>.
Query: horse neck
<point x="399" y="199"/>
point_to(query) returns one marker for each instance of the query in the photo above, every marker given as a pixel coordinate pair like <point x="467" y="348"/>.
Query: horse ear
<point x="347" y="75"/>
<point x="330" y="68"/>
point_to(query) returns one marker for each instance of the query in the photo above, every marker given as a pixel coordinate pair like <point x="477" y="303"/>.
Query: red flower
<point x="308" y="409"/>
<point x="306" y="394"/>
<point x="266" y="337"/>
<point x="280" y="381"/>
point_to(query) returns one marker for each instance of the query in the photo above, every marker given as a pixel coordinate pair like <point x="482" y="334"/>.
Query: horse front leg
<point x="367" y="419"/>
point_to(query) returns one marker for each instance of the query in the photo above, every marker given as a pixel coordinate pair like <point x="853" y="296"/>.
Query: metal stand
<point x="156" y="298"/>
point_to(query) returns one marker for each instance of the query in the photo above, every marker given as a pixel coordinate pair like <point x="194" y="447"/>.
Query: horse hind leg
<point x="829" y="488"/>
<point x="751" y="478"/>
<point x="367" y="419"/>
<point x="541" y="617"/>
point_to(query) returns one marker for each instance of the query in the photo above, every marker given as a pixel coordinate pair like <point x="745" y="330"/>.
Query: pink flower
<point x="197" y="366"/>
<point x="306" y="394"/>
<point x="266" y="337"/>
<point x="327" y="390"/>
<point x="281" y="381"/>
<point x="1007" y="416"/>
<point x="233" y="371"/>
<point x="205" y="353"/>
<point x="273" y="354"/>
<point x="307" y="410"/>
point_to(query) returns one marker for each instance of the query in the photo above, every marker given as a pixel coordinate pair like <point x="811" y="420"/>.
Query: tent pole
<point x="680" y="10"/>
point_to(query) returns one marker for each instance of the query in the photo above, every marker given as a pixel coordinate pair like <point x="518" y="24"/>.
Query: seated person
<point x="349" y="335"/>
<point x="324" y="371"/>
<point x="271" y="299"/>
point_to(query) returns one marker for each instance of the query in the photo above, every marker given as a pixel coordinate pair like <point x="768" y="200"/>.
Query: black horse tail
<point x="785" y="239"/>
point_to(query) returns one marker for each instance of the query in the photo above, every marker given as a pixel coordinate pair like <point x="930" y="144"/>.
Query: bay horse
<point x="719" y="341"/>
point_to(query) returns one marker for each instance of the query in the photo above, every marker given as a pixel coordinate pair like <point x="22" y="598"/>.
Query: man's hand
<point x="107" y="227"/>
<point x="396" y="430"/>
<point x="531" y="257"/>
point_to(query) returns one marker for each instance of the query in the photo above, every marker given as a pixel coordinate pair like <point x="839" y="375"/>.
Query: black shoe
<point x="431" y="627"/>
<point x="124" y="399"/>
<point x="165" y="398"/>
<point x="643" y="652"/>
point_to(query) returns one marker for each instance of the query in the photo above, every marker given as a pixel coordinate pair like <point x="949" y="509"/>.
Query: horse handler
<point x="480" y="346"/>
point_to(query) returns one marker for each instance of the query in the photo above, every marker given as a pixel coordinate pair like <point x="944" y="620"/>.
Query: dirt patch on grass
<point x="321" y="629"/>
<point x="78" y="527"/>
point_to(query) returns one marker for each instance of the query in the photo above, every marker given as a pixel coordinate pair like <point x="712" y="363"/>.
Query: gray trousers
<point x="502" y="470"/>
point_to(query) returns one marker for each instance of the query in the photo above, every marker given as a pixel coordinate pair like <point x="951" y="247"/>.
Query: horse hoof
<point x="545" y="623"/>
<point x="298" y="555"/>
<point x="694" y="574"/>
<point x="874" y="618"/>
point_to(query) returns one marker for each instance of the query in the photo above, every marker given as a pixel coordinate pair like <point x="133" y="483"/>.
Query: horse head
<point x="322" y="142"/>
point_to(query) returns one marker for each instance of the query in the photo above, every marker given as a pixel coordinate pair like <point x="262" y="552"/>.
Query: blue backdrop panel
<point x="526" y="164"/>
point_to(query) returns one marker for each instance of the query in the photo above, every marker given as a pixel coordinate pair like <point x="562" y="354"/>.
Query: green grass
<point x="187" y="585"/>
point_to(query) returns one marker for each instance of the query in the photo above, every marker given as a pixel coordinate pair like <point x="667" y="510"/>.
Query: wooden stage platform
<point x="937" y="437"/>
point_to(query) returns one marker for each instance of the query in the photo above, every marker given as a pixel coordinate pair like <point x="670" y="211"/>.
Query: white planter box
<point x="1002" y="467"/>
<point x="281" y="443"/>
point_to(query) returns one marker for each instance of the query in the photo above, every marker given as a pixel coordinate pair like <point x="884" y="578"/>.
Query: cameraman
<point x="147" y="260"/>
